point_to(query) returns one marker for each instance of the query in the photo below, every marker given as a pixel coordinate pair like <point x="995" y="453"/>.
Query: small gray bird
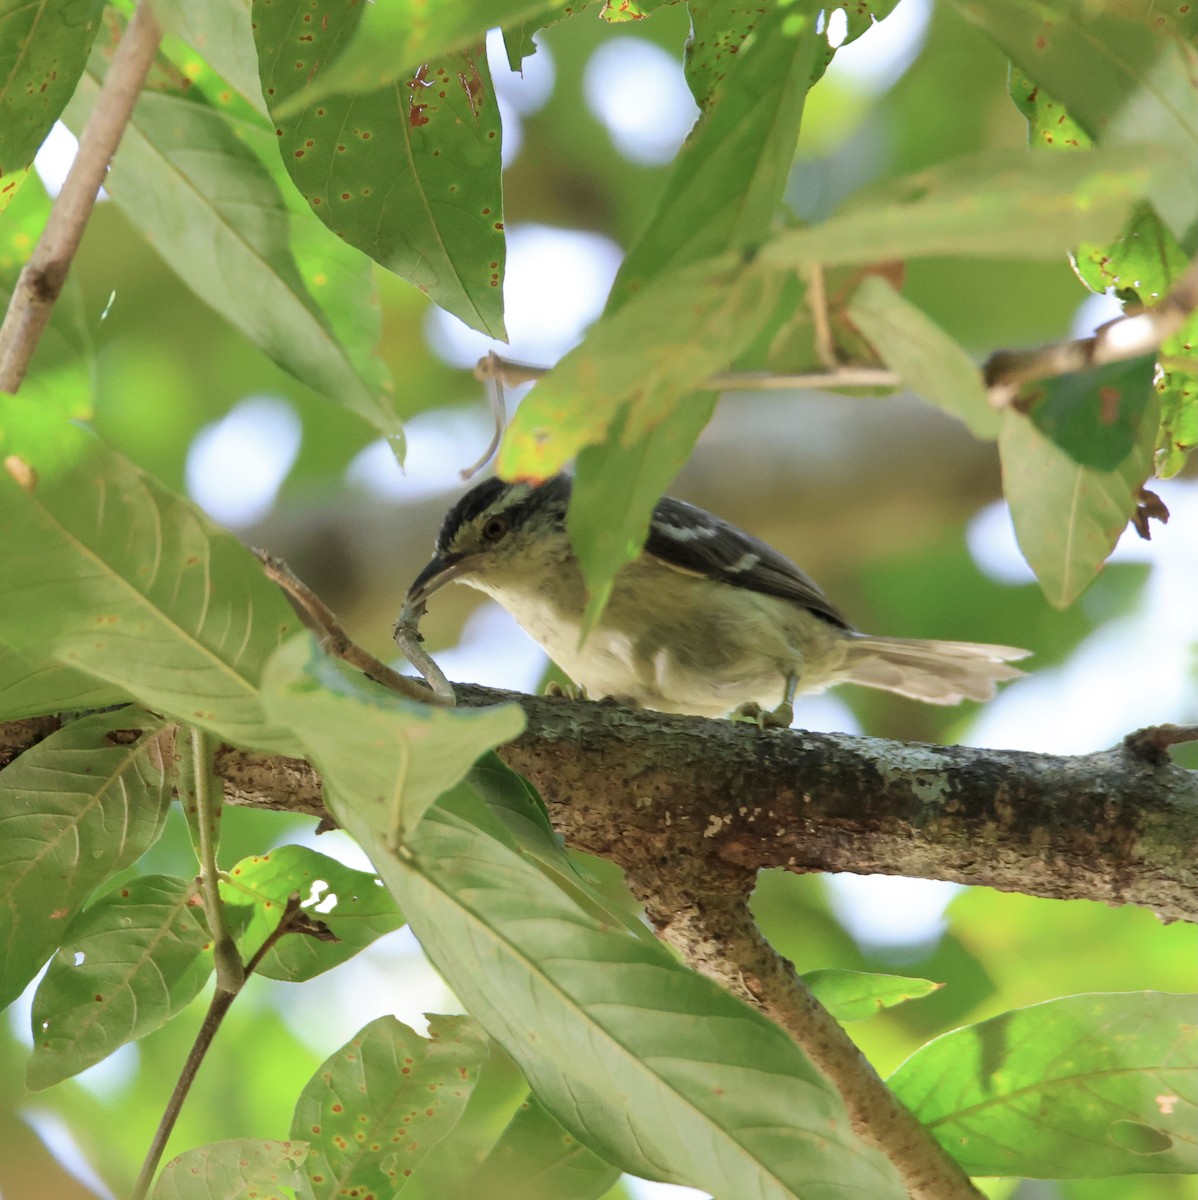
<point x="706" y="620"/>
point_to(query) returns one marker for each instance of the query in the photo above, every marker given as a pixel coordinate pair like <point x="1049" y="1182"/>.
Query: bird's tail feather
<point x="932" y="671"/>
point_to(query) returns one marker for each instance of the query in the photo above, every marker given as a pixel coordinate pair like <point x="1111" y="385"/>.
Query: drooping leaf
<point x="368" y="742"/>
<point x="43" y="48"/>
<point x="377" y="1106"/>
<point x="928" y="361"/>
<point x="1094" y="415"/>
<point x="857" y="995"/>
<point x="110" y="574"/>
<point x="1075" y="1088"/>
<point x="353" y="904"/>
<point x="128" y="963"/>
<point x="234" y="1170"/>
<point x="1067" y="516"/>
<point x="536" y="1159"/>
<point x="76" y="808"/>
<point x="654" y="1068"/>
<point x="995" y="204"/>
<point x="408" y="173"/>
<point x="190" y="179"/>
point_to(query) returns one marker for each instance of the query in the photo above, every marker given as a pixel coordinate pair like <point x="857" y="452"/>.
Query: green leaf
<point x="857" y="995"/>
<point x="1093" y="415"/>
<point x="1178" y="388"/>
<point x="536" y="1159"/>
<point x="1075" y="1088"/>
<point x="234" y="1170"/>
<point x="927" y="360"/>
<point x="639" y="363"/>
<point x="378" y="1105"/>
<point x="1120" y="72"/>
<point x="191" y="181"/>
<point x="1048" y="123"/>
<point x="1068" y="517"/>
<point x="996" y="204"/>
<point x="29" y="688"/>
<point x="109" y="573"/>
<point x="389" y="757"/>
<point x="43" y="48"/>
<point x="617" y="486"/>
<point x="727" y="182"/>
<point x="76" y="808"/>
<point x="653" y="1067"/>
<point x="353" y="904"/>
<point x="128" y="963"/>
<point x="408" y="173"/>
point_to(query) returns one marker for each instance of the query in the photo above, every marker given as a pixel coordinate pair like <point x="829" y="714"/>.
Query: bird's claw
<point x="764" y="718"/>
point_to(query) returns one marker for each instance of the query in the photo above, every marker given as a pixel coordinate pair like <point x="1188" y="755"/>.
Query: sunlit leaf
<point x="109" y="573"/>
<point x="996" y="204"/>
<point x="1075" y="1088"/>
<point x="927" y="360"/>
<point x="1049" y="125"/>
<point x="395" y="755"/>
<point x="378" y="1105"/>
<point x="76" y="808"/>
<point x="43" y="49"/>
<point x="856" y="995"/>
<point x="128" y="963"/>
<point x="1068" y="517"/>
<point x="408" y="173"/>
<point x="353" y="904"/>
<point x="234" y="1170"/>
<point x="653" y="1067"/>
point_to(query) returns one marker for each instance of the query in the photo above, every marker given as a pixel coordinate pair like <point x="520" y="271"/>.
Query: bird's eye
<point x="494" y="528"/>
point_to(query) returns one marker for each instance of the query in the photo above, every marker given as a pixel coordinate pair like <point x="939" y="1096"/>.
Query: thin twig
<point x="44" y="275"/>
<point x="222" y="1001"/>
<point x="408" y="638"/>
<point x="319" y="618"/>
<point x="487" y="370"/>
<point x="817" y="301"/>
<point x="1125" y="337"/>
<point x="1153" y="741"/>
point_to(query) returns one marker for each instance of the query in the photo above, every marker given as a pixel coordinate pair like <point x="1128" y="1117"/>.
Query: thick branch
<point x="672" y="794"/>
<point x="44" y="275"/>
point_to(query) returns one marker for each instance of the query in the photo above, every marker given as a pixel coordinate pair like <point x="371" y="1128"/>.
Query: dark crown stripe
<point x="490" y="494"/>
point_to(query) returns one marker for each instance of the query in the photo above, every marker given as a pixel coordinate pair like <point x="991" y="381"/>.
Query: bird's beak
<point x="439" y="571"/>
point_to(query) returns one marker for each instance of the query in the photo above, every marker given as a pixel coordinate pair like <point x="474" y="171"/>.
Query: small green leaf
<point x="377" y="1106"/>
<point x="385" y="757"/>
<point x="234" y="1170"/>
<point x="408" y="173"/>
<point x="1048" y="123"/>
<point x="1116" y="1072"/>
<point x="128" y="963"/>
<point x="536" y="1159"/>
<point x="43" y="48"/>
<point x="74" y="809"/>
<point x="857" y="995"/>
<point x="353" y="904"/>
<point x="997" y="204"/>
<point x="928" y="361"/>
<point x="109" y="573"/>
<point x="1093" y="415"/>
<point x="1068" y="517"/>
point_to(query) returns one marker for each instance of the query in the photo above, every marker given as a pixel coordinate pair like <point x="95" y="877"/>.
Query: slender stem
<point x="43" y="276"/>
<point x="222" y="1001"/>
<point x="817" y="301"/>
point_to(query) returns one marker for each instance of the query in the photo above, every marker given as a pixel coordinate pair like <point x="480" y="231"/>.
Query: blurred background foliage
<point x="890" y="504"/>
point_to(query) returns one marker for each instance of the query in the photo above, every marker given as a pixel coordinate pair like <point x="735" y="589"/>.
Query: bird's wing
<point x="689" y="539"/>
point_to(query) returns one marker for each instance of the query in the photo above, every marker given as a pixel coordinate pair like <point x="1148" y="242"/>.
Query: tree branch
<point x="44" y="275"/>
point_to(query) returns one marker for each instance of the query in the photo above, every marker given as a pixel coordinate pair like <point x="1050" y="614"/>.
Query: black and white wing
<point x="691" y="539"/>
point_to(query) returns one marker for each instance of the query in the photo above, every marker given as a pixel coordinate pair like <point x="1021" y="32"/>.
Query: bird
<point x="706" y="620"/>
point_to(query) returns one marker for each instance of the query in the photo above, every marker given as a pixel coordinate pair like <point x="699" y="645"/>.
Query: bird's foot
<point x="565" y="691"/>
<point x="765" y="718"/>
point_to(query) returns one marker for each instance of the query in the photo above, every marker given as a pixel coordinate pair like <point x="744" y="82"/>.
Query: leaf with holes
<point x="109" y="573"/>
<point x="353" y="904"/>
<point x="74" y="809"/>
<point x="1067" y="516"/>
<point x="408" y="173"/>
<point x="377" y="1106"/>
<point x="1115" y="1073"/>
<point x="234" y="1170"/>
<point x="128" y="963"/>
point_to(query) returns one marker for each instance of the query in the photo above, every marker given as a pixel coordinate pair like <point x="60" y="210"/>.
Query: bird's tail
<point x="933" y="671"/>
